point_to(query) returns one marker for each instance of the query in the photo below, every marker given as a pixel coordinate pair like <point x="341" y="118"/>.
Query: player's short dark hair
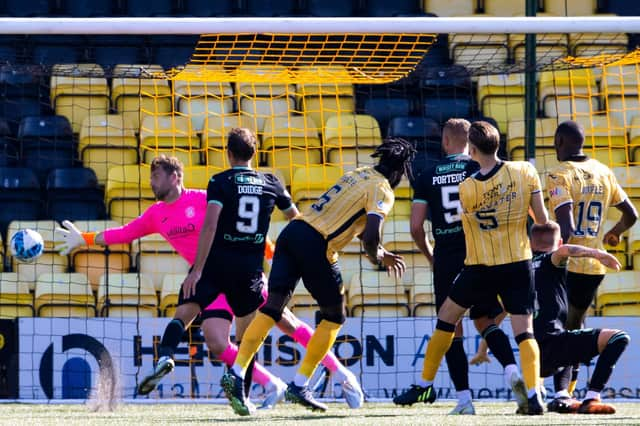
<point x="168" y="164"/>
<point x="571" y="132"/>
<point x="242" y="143"/>
<point x="484" y="136"/>
<point x="547" y="233"/>
<point x="395" y="156"/>
<point x="458" y="128"/>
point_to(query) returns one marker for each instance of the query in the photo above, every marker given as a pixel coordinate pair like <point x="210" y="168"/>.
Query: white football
<point x="26" y="245"/>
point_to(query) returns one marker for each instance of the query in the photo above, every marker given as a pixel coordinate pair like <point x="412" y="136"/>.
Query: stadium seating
<point x="329" y="8"/>
<point x="268" y="8"/>
<point x="147" y="8"/>
<point x="422" y="296"/>
<point x="128" y="192"/>
<point x="171" y="284"/>
<point x="87" y="8"/>
<point x="446" y="93"/>
<point x="214" y="136"/>
<point x="566" y="92"/>
<point x="593" y="44"/>
<point x="19" y="195"/>
<point x="545" y="131"/>
<point x="605" y="139"/>
<point x="135" y="93"/>
<point x="302" y="304"/>
<point x="291" y="142"/>
<point x="110" y="50"/>
<point x="394" y="8"/>
<point x="571" y="7"/>
<point x="210" y="8"/>
<point x="170" y="135"/>
<point x="620" y="91"/>
<point x="450" y="7"/>
<point x="79" y="90"/>
<point x="384" y="108"/>
<point x="197" y="100"/>
<point x="73" y="194"/>
<point x="479" y="50"/>
<point x="64" y="295"/>
<point x="46" y="143"/>
<point x="93" y="261"/>
<point x="349" y="139"/>
<point x="618" y="295"/>
<point x="58" y="49"/>
<point x="622" y="7"/>
<point x="309" y="183"/>
<point x="49" y="261"/>
<point x="172" y="51"/>
<point x="127" y="295"/>
<point x="107" y="140"/>
<point x="155" y="258"/>
<point x="501" y="96"/>
<point x="549" y="48"/>
<point x="15" y="298"/>
<point x="376" y="294"/>
<point x="27" y="8"/>
<point x="8" y="150"/>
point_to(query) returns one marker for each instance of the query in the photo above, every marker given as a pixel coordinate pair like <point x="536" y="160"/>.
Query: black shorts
<point x="582" y="288"/>
<point x="480" y="285"/>
<point x="242" y="288"/>
<point x="567" y="348"/>
<point x="446" y="268"/>
<point x="301" y="252"/>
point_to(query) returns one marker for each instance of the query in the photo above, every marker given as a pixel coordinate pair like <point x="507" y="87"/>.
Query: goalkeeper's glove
<point x="71" y="238"/>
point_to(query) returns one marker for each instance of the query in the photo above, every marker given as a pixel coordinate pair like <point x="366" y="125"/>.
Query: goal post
<point x="320" y="94"/>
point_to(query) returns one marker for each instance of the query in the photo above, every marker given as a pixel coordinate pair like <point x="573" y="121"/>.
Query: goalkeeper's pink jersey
<point x="178" y="222"/>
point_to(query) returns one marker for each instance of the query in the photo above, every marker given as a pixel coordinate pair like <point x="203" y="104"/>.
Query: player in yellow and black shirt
<point x="307" y="248"/>
<point x="495" y="204"/>
<point x="581" y="190"/>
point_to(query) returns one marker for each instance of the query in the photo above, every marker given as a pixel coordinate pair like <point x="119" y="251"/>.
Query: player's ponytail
<point x="395" y="156"/>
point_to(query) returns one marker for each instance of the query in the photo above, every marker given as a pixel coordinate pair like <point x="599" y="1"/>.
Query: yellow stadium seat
<point x="423" y="299"/>
<point x="155" y="258"/>
<point x="170" y="135"/>
<point x="327" y="80"/>
<point x="619" y="294"/>
<point x="77" y="91"/>
<point x="15" y="298"/>
<point x="450" y="7"/>
<point x="171" y="284"/>
<point x="64" y="295"/>
<point x="401" y="209"/>
<point x="545" y="131"/>
<point x="571" y="7"/>
<point x="619" y="88"/>
<point x="127" y="295"/>
<point x="504" y="7"/>
<point x="94" y="261"/>
<point x="621" y="250"/>
<point x="545" y="159"/>
<point x="474" y="50"/>
<point x="128" y="192"/>
<point x="289" y="142"/>
<point x="396" y="235"/>
<point x="376" y="294"/>
<point x="107" y="140"/>
<point x="49" y="261"/>
<point x="215" y="131"/>
<point x="321" y="108"/>
<point x="605" y="139"/>
<point x="549" y="47"/>
<point x="633" y="245"/>
<point x="261" y="109"/>
<point x="594" y="44"/>
<point x="139" y="90"/>
<point x="352" y="263"/>
<point x="198" y="99"/>
<point x="416" y="262"/>
<point x="350" y="132"/>
<point x="568" y="93"/>
<point x="308" y="183"/>
<point x="629" y="179"/>
<point x="501" y="96"/>
<point x="197" y="177"/>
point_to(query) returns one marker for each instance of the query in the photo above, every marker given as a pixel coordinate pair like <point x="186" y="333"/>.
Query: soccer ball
<point x="26" y="245"/>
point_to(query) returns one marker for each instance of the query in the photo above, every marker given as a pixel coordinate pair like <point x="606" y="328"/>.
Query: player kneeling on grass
<point x="308" y="248"/>
<point x="185" y="209"/>
<point x="559" y="348"/>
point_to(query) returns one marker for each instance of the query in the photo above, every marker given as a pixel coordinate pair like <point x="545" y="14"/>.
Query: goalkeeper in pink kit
<point x="178" y="216"/>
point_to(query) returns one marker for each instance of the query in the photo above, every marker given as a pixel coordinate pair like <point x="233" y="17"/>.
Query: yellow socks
<point x="252" y="339"/>
<point x="320" y="343"/>
<point x="530" y="362"/>
<point x="437" y="347"/>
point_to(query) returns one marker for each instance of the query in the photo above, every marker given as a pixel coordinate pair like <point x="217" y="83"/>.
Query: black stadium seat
<point x="144" y="8"/>
<point x="209" y="8"/>
<point x="73" y="194"/>
<point x="27" y="8"/>
<point x="331" y="8"/>
<point x="392" y="8"/>
<point x="269" y="8"/>
<point x="19" y="195"/>
<point x="87" y="8"/>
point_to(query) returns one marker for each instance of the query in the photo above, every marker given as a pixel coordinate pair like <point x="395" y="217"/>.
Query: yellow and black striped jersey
<point x="495" y="208"/>
<point x="591" y="187"/>
<point x="340" y="214"/>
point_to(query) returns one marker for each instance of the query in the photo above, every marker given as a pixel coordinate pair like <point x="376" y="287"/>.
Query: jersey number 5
<point x="325" y="198"/>
<point x="451" y="203"/>
<point x="487" y="219"/>
<point x="248" y="209"/>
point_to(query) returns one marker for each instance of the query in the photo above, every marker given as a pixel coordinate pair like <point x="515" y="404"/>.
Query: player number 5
<point x="451" y="201"/>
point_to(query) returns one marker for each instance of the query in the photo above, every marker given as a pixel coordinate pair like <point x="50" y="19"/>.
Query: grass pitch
<point x="488" y="413"/>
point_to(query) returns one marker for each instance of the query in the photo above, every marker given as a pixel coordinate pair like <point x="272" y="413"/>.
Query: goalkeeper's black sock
<point x="458" y="365"/>
<point x="498" y="343"/>
<point x="248" y="376"/>
<point x="607" y="360"/>
<point x="562" y="379"/>
<point x="171" y="338"/>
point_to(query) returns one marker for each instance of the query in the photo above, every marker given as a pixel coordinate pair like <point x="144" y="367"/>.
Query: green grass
<point x="489" y="413"/>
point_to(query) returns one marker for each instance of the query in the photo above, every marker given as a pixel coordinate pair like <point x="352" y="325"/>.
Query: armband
<point x="89" y="238"/>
